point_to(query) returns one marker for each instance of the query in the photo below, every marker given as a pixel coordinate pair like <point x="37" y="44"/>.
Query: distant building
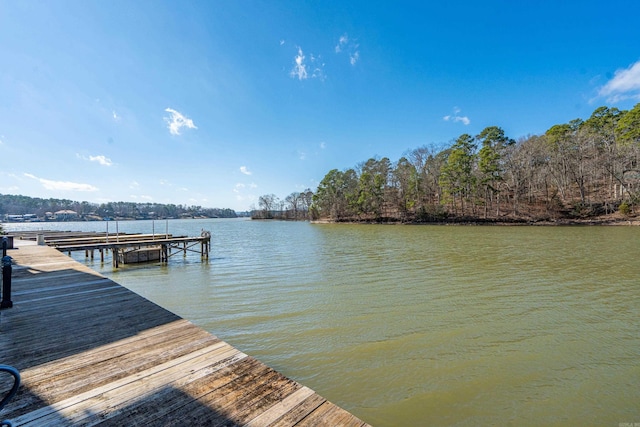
<point x="66" y="215"/>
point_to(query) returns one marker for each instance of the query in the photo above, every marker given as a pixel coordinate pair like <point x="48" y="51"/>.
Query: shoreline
<point x="489" y="222"/>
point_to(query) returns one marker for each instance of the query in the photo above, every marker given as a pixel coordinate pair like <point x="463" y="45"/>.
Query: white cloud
<point x="62" y="185"/>
<point x="282" y="42"/>
<point x="318" y="73"/>
<point x="457" y="118"/>
<point x="115" y="116"/>
<point x="625" y="84"/>
<point x="351" y="47"/>
<point x="344" y="39"/>
<point x="464" y="119"/>
<point x="177" y="121"/>
<point x="134" y="184"/>
<point x="299" y="69"/>
<point x="353" y="58"/>
<point x="104" y="161"/>
<point x="240" y="188"/>
<point x="244" y="170"/>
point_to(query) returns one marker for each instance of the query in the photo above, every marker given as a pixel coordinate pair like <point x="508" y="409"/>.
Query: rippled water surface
<point x="417" y="325"/>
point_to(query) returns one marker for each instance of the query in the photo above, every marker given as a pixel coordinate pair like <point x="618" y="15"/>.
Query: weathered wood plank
<point x="62" y="380"/>
<point x="171" y="334"/>
<point x="170" y="400"/>
<point x="281" y="408"/>
<point x="329" y="414"/>
<point x="300" y="411"/>
<point x="143" y="382"/>
<point x="43" y="287"/>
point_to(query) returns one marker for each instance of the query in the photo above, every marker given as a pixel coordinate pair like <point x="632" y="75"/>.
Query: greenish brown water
<point x="422" y="325"/>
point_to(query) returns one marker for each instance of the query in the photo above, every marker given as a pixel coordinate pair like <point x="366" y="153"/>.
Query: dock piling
<point x="6" y="282"/>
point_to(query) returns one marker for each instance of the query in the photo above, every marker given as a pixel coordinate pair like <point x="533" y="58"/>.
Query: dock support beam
<point x="205" y="244"/>
<point x="115" y="254"/>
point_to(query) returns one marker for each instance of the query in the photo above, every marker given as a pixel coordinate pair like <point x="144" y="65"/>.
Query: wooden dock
<point x="121" y="245"/>
<point x="93" y="352"/>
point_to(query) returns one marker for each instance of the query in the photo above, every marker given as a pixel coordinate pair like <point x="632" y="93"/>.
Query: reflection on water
<point x="415" y="325"/>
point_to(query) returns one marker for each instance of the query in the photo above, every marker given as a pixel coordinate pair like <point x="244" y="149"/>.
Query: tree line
<point x="581" y="169"/>
<point x="20" y="205"/>
<point x="296" y="206"/>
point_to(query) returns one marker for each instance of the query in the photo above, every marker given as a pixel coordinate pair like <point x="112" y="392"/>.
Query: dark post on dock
<point x="6" y="276"/>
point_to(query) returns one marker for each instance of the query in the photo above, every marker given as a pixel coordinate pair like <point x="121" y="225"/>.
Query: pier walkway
<point x="92" y="352"/>
<point x="121" y="244"/>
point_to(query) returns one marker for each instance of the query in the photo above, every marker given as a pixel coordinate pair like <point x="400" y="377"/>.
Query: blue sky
<point x="215" y="103"/>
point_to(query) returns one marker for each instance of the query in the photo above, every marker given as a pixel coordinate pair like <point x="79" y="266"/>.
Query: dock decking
<point x="92" y="352"/>
<point x="120" y="244"/>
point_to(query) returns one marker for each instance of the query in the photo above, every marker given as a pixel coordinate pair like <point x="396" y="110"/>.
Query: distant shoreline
<point x="49" y="221"/>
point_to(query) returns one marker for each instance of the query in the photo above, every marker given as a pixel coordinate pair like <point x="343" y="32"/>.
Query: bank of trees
<point x="578" y="169"/>
<point x="296" y="206"/>
<point x="20" y="205"/>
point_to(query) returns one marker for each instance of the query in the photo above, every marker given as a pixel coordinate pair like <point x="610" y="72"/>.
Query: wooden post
<point x="6" y="282"/>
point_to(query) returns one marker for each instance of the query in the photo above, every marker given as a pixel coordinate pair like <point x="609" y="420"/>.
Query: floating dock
<point x="92" y="352"/>
<point x="125" y="248"/>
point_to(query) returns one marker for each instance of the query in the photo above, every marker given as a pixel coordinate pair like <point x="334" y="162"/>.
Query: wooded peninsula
<point x="581" y="171"/>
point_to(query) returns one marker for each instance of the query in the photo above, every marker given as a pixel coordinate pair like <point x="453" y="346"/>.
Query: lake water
<point x="418" y="325"/>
